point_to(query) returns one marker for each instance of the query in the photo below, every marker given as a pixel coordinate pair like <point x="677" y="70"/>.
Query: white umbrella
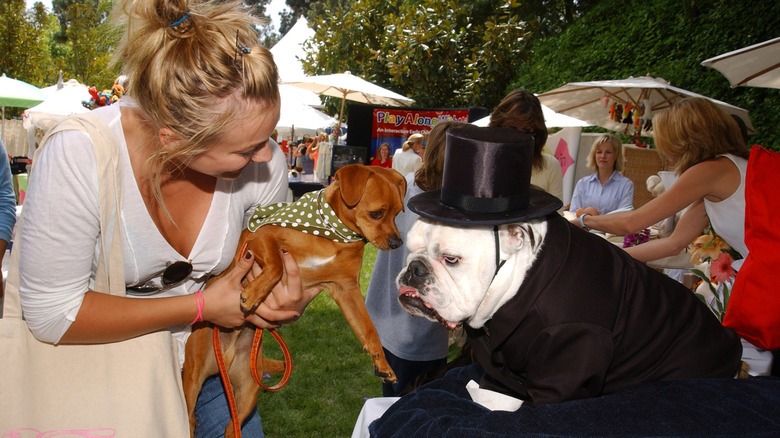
<point x="348" y="86"/>
<point x="551" y="120"/>
<point x="296" y="116"/>
<point x="15" y="93"/>
<point x="592" y="101"/>
<point x="753" y="66"/>
<point x="65" y="99"/>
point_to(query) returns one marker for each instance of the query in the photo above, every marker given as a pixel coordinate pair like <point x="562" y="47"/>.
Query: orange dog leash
<point x="223" y="373"/>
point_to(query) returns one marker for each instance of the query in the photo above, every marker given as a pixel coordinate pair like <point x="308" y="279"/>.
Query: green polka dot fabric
<point x="310" y="214"/>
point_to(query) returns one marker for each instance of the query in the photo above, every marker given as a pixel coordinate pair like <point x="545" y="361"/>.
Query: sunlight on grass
<point x="332" y="374"/>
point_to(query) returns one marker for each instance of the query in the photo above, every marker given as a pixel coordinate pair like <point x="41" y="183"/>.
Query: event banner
<point x="394" y="126"/>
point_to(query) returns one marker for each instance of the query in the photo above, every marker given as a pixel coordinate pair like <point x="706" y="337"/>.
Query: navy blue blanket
<point x="703" y="407"/>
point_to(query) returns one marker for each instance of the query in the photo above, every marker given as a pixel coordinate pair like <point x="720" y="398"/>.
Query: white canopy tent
<point x="288" y="53"/>
<point x="300" y="118"/>
<point x="63" y="100"/>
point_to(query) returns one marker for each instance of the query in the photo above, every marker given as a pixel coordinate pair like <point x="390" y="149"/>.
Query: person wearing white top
<point x="409" y="159"/>
<point x="194" y="141"/>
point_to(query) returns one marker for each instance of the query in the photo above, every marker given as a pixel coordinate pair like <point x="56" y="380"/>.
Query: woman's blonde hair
<point x="694" y="130"/>
<point x="192" y="67"/>
<point x="620" y="163"/>
<point x="429" y="175"/>
<point x="413" y="139"/>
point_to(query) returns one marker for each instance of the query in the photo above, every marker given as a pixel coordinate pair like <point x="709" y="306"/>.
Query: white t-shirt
<point x="60" y="236"/>
<point x="405" y="162"/>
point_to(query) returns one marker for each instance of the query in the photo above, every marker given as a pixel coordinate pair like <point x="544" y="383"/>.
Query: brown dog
<point x="366" y="200"/>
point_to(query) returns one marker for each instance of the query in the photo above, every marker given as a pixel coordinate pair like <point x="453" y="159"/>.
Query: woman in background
<point x="523" y="111"/>
<point x="383" y="158"/>
<point x="606" y="190"/>
<point x="413" y="346"/>
<point x="410" y="157"/>
<point x="710" y="159"/>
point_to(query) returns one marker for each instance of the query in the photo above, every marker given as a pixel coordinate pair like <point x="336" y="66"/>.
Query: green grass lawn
<point x="332" y="374"/>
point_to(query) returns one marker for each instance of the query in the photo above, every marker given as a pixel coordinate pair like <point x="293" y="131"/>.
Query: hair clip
<point x="180" y="20"/>
<point x="240" y="50"/>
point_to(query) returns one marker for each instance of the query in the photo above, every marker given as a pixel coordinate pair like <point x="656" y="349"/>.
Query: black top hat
<point x="487" y="180"/>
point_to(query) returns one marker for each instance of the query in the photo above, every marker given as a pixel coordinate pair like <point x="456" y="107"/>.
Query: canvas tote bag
<point x="123" y="389"/>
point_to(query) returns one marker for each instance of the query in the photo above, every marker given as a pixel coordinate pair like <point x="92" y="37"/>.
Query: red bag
<point x="753" y="309"/>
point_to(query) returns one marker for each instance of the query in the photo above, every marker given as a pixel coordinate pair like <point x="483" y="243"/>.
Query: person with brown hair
<point x="382" y="157"/>
<point x="193" y="136"/>
<point x="412" y="346"/>
<point x="523" y="111"/>
<point x="710" y="159"/>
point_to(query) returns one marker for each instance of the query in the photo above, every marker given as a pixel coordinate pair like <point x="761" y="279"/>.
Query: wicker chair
<point x="640" y="164"/>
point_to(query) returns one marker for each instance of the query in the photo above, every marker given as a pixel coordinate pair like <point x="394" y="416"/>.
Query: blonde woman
<point x="606" y="190"/>
<point x="194" y="141"/>
<point x="710" y="158"/>
<point x="410" y="157"/>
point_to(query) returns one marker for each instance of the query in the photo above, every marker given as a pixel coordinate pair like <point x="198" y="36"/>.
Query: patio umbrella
<point x="551" y="120"/>
<point x="626" y="105"/>
<point x="15" y="93"/>
<point x="348" y="86"/>
<point x="753" y="66"/>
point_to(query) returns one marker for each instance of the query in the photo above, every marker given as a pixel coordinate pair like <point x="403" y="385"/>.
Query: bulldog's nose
<point x="394" y="242"/>
<point x="418" y="269"/>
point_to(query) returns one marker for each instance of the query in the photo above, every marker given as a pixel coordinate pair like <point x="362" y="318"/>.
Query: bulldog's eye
<point x="451" y="260"/>
<point x="378" y="214"/>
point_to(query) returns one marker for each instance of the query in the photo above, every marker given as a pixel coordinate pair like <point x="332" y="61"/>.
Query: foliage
<point x="439" y="52"/>
<point x="22" y="41"/>
<point x="91" y="42"/>
<point x="332" y="373"/>
<point x="663" y="39"/>
<point x="297" y="8"/>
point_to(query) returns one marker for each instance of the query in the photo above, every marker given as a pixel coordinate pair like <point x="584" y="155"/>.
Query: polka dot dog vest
<point x="310" y="214"/>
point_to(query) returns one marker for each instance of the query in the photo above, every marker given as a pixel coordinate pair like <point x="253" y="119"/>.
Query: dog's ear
<point x="517" y="234"/>
<point x="399" y="181"/>
<point x="352" y="181"/>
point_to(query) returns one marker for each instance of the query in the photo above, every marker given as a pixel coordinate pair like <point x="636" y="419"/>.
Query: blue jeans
<point x="407" y="372"/>
<point x="212" y="413"/>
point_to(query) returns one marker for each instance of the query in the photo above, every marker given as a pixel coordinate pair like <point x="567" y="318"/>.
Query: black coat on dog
<point x="591" y="320"/>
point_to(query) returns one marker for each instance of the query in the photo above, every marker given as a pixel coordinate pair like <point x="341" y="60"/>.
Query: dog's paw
<point x="248" y="306"/>
<point x="387" y="376"/>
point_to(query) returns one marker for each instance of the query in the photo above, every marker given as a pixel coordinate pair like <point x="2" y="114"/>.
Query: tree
<point x="91" y="45"/>
<point x="439" y="52"/>
<point x="23" y="53"/>
<point x="662" y="39"/>
<point x="298" y="8"/>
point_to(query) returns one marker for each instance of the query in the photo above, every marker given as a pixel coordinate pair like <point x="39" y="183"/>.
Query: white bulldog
<point x="451" y="274"/>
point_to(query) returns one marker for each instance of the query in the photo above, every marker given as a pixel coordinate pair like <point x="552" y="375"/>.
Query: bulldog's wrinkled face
<point x="450" y="269"/>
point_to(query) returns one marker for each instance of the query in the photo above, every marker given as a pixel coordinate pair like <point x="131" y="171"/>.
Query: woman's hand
<point x="223" y="295"/>
<point x="587" y="210"/>
<point x="286" y="303"/>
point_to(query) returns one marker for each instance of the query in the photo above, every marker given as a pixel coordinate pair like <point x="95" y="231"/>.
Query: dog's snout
<point x="418" y="269"/>
<point x="394" y="242"/>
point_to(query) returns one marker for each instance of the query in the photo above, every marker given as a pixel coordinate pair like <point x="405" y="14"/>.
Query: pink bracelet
<point x="200" y="301"/>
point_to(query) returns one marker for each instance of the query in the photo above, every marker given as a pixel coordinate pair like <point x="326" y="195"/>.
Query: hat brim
<point x="429" y="206"/>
